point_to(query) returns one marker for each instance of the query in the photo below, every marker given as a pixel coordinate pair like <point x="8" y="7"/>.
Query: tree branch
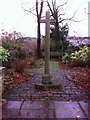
<point x="54" y="5"/>
<point x="62" y="13"/>
<point x="60" y="6"/>
<point x="50" y="9"/>
<point x="41" y="8"/>
<point x="29" y="10"/>
<point x="37" y="7"/>
<point x="33" y="8"/>
<point x="69" y="18"/>
<point x="72" y="20"/>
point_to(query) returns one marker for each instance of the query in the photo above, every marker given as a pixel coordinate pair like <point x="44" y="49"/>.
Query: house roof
<point x="80" y="38"/>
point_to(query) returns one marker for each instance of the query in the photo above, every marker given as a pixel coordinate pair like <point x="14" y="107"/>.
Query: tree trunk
<point x="58" y="39"/>
<point x="39" y="54"/>
<point x="57" y="31"/>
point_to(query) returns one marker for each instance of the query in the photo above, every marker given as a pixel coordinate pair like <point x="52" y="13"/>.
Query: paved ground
<point x="45" y="109"/>
<point x="24" y="101"/>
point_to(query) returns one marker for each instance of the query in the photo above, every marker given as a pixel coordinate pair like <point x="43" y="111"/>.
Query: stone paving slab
<point x="45" y="109"/>
<point x="29" y="109"/>
<point x="85" y="106"/>
<point x="38" y="105"/>
<point x="10" y="113"/>
<point x="14" y="104"/>
<point x="37" y="114"/>
<point x="69" y="110"/>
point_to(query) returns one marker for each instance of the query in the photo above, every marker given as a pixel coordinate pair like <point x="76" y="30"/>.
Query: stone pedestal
<point x="52" y="85"/>
<point x="46" y="79"/>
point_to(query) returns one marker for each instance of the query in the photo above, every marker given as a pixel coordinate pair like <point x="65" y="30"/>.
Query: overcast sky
<point x="14" y="18"/>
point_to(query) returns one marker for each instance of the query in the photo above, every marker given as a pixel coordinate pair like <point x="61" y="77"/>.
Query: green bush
<point x="8" y="83"/>
<point x="4" y="55"/>
<point x="20" y="53"/>
<point x="81" y="55"/>
<point x="71" y="49"/>
<point x="65" y="58"/>
<point x="8" y="44"/>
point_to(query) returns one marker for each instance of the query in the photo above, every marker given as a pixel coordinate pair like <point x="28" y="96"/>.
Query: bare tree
<point x="38" y="14"/>
<point x="57" y="15"/>
<point x="39" y="54"/>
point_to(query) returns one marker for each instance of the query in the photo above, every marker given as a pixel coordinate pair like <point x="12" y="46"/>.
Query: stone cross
<point x="46" y="78"/>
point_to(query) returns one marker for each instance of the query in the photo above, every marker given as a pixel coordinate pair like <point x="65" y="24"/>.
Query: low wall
<point x="53" y="54"/>
<point x="1" y="80"/>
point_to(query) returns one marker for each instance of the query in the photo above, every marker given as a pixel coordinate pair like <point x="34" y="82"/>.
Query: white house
<point x="79" y="40"/>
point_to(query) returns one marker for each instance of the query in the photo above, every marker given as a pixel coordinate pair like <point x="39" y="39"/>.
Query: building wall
<point x="79" y="40"/>
<point x="89" y="18"/>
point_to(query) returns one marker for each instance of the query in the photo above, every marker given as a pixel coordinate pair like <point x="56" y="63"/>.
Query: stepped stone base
<point x="46" y="79"/>
<point x="48" y="86"/>
<point x="47" y="83"/>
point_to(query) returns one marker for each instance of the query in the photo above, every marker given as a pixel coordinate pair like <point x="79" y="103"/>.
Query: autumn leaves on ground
<point x="81" y="78"/>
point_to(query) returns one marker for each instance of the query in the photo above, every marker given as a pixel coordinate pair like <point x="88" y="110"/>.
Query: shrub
<point x="77" y="57"/>
<point x="19" y="65"/>
<point x="71" y="49"/>
<point x="82" y="54"/>
<point x="9" y="44"/>
<point x="4" y="55"/>
<point x="20" y="53"/>
<point x="88" y="60"/>
<point x="65" y="58"/>
<point x="8" y="83"/>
